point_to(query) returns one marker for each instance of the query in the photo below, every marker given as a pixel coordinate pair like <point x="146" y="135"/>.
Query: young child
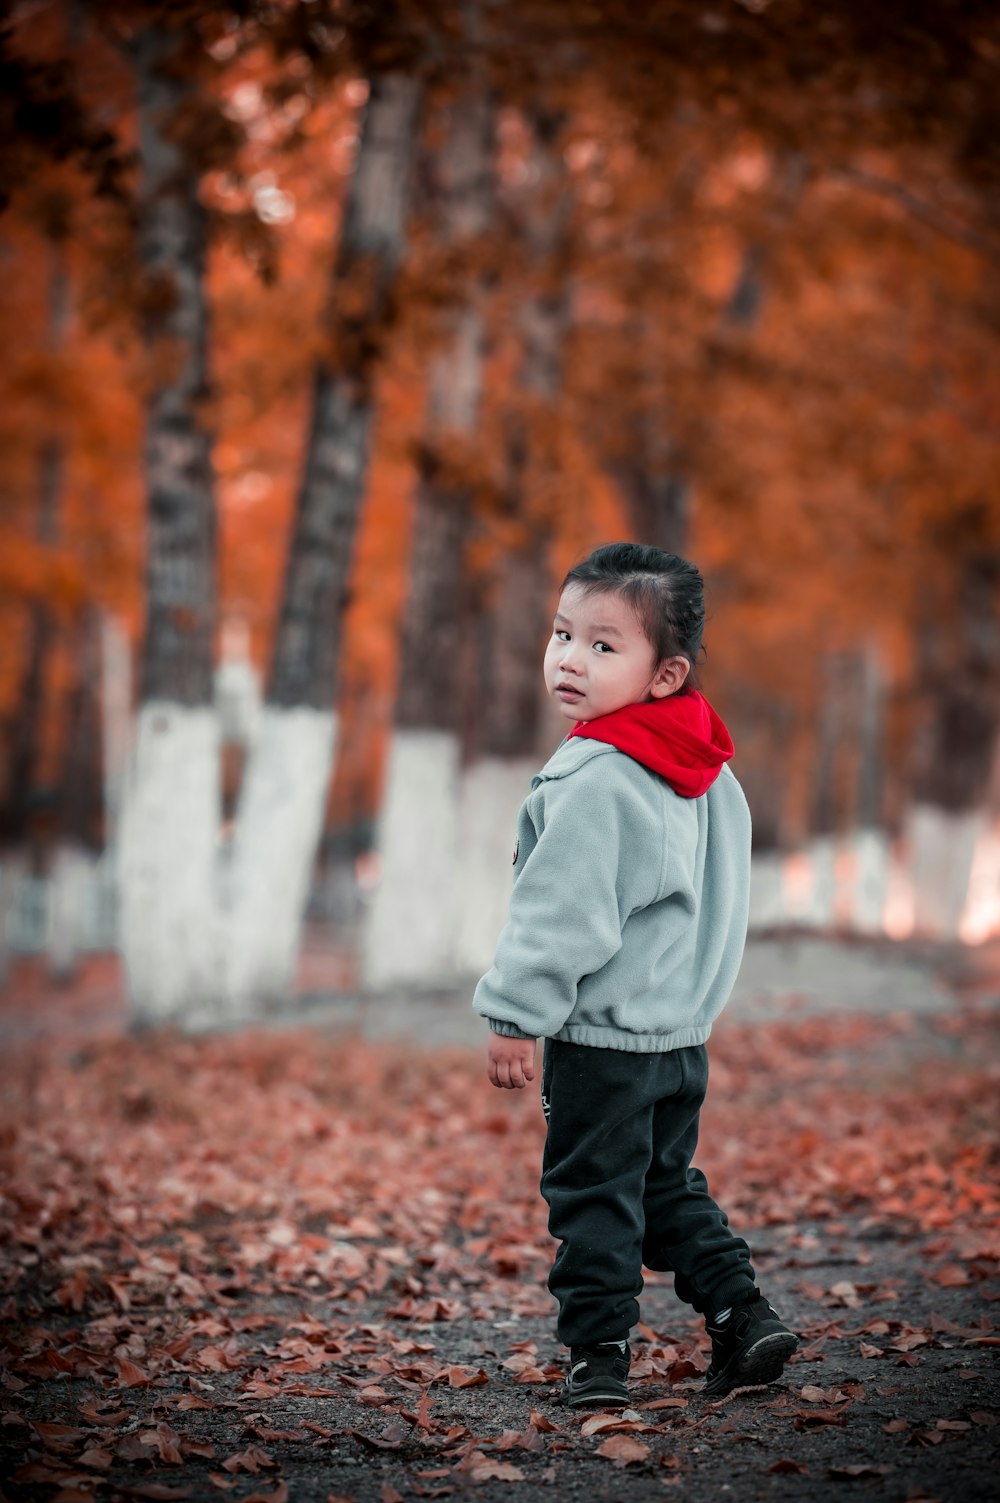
<point x="627" y="924"/>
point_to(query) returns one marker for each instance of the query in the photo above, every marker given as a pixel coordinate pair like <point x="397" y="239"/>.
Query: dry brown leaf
<point x="488" y="1470"/>
<point x="466" y="1377"/>
<point x="250" y="1460"/>
<point x="622" y="1450"/>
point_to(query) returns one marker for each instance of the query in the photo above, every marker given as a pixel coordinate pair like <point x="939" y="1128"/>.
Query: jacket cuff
<point x="508" y="1030"/>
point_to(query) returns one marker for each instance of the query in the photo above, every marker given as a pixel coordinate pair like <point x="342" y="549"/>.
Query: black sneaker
<point x="749" y="1348"/>
<point x="597" y="1376"/>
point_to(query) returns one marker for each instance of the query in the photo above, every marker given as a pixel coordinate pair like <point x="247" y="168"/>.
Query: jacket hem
<point x="632" y="1043"/>
<point x="508" y="1030"/>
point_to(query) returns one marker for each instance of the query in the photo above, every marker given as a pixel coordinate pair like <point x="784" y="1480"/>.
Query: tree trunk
<point x="283" y="796"/>
<point x="959" y="674"/>
<point x="980" y="918"/>
<point x="870" y="847"/>
<point x="79" y="822"/>
<point x="761" y="732"/>
<point x="26" y="730"/>
<point x="170" y="818"/>
<point x="651" y="479"/>
<point x="116" y="722"/>
<point x="513" y="631"/>
<point x="828" y="822"/>
<point x="410" y="935"/>
<point x="494" y="783"/>
<point x="26" y="727"/>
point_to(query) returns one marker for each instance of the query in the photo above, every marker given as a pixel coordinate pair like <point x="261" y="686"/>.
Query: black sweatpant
<point x="621" y="1192"/>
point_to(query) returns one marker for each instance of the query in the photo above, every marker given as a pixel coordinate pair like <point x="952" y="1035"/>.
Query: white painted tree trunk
<point x="12" y="872"/>
<point x="981" y="915"/>
<point x="767" y="892"/>
<point x="71" y="890"/>
<point x="866" y="901"/>
<point x="269" y="868"/>
<point x="897" y="916"/>
<point x="816" y="902"/>
<point x="116" y="718"/>
<point x="941" y="848"/>
<point x="168" y="847"/>
<point x="491" y="793"/>
<point x="410" y="934"/>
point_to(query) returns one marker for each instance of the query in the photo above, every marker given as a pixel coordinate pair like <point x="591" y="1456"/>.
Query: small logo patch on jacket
<point x="517" y="846"/>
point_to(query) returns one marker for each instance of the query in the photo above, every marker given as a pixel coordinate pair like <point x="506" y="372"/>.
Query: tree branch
<point x="918" y="208"/>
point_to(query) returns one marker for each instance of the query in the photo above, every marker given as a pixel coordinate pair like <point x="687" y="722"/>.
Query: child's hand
<point x="511" y="1062"/>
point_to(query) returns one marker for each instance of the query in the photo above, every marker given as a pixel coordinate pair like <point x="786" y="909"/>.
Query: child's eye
<point x="604" y="647"/>
<point x="561" y="636"/>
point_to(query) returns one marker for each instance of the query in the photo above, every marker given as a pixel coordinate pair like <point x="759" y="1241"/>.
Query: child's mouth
<point x="570" y="695"/>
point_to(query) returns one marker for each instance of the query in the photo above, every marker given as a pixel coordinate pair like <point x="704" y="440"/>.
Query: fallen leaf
<point x="164" y="1441"/>
<point x="466" y="1377"/>
<point x="622" y="1450"/>
<point x="250" y="1460"/>
<point x="952" y="1276"/>
<point x="96" y="1457"/>
<point x="485" y="1469"/>
<point x="599" y="1424"/>
<point x="786" y="1464"/>
<point x="391" y="1439"/>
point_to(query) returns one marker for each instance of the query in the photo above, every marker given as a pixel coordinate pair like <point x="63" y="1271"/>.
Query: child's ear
<point x="669" y="677"/>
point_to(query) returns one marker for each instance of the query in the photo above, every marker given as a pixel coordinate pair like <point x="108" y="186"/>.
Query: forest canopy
<point x="728" y="270"/>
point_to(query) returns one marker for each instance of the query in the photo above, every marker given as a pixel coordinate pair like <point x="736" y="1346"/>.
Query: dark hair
<point x="666" y="593"/>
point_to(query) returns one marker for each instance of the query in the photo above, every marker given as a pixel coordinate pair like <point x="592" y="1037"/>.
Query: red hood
<point x="680" y="737"/>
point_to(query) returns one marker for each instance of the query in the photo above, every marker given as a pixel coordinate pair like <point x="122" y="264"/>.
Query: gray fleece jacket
<point x="629" y="910"/>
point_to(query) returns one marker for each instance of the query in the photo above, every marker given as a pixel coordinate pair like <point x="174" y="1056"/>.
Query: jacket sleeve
<point x="570" y="900"/>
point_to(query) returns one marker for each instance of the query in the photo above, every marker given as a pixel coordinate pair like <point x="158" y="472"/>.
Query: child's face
<point x="599" y="659"/>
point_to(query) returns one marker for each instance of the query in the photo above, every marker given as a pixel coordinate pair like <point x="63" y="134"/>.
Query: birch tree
<point x="410" y="934"/>
<point x="954" y="751"/>
<point x="517" y="614"/>
<point x="282" y="800"/>
<point x="170" y="815"/>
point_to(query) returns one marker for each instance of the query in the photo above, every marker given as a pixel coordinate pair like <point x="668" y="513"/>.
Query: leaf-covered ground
<point x="298" y="1266"/>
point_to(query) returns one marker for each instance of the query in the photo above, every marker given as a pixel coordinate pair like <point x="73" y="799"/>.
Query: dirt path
<point x="302" y="1266"/>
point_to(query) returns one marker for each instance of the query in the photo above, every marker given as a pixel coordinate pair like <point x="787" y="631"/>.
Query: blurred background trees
<point x="334" y="332"/>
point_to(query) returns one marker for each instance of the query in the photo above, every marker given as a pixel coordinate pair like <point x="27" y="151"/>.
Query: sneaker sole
<point x="760" y="1363"/>
<point x="596" y="1395"/>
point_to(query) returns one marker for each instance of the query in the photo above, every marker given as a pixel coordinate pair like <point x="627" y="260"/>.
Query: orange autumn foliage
<point x="834" y="438"/>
